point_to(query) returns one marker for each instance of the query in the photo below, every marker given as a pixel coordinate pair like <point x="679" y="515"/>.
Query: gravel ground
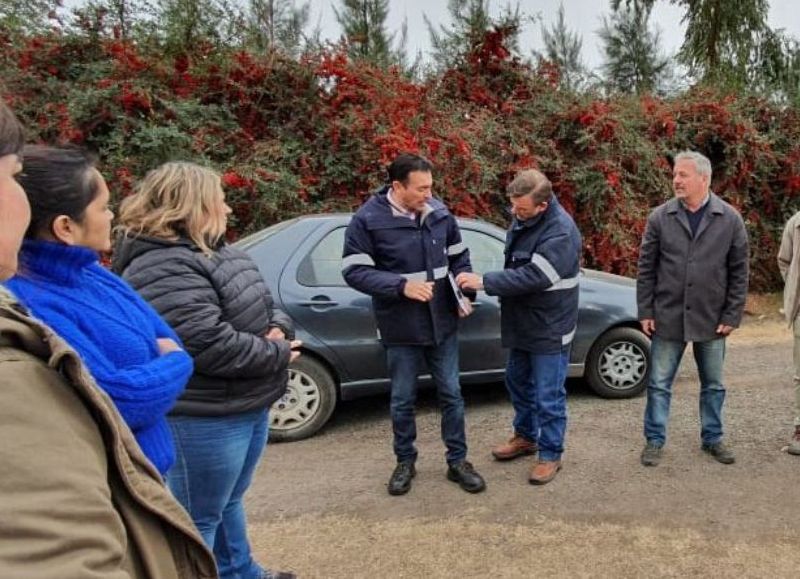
<point x="320" y="506"/>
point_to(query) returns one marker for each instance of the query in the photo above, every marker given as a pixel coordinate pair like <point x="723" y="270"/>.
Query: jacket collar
<point x="432" y="207"/>
<point x="715" y="207"/>
<point x="714" y="204"/>
<point x="552" y="203"/>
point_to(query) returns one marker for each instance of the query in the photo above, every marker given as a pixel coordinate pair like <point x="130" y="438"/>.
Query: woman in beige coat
<point x="78" y="499"/>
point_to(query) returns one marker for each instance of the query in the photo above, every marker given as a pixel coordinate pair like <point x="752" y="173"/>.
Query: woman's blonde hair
<point x="177" y="199"/>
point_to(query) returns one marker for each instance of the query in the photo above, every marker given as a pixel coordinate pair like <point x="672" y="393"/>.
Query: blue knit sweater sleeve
<point x="144" y="393"/>
<point x="162" y="328"/>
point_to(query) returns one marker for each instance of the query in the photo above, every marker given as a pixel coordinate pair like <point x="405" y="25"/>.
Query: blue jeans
<point x="216" y="459"/>
<point x="405" y="364"/>
<point x="665" y="359"/>
<point x="535" y="383"/>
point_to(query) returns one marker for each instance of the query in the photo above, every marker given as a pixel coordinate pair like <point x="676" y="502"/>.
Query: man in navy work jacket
<point x="692" y="285"/>
<point x="400" y="248"/>
<point x="538" y="292"/>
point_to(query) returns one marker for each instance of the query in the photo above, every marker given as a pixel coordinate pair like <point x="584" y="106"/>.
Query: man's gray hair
<point x="701" y="162"/>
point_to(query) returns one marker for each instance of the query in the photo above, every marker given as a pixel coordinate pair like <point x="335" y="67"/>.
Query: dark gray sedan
<point x="343" y="359"/>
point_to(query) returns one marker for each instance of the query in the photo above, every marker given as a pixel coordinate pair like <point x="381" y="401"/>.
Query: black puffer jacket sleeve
<point x="221" y="308"/>
<point x="199" y="318"/>
<point x="281" y="320"/>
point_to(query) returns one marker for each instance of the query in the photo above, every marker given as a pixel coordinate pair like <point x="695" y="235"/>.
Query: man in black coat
<point x="692" y="285"/>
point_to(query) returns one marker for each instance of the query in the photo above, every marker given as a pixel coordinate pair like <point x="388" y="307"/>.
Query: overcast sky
<point x="583" y="16"/>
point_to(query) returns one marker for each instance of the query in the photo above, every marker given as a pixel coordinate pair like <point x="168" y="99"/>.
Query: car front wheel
<point x="307" y="404"/>
<point x="619" y="363"/>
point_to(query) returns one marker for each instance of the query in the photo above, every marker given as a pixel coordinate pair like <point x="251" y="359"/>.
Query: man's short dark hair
<point x="531" y="182"/>
<point x="12" y="136"/>
<point x="407" y="163"/>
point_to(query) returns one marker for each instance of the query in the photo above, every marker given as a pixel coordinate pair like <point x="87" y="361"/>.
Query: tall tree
<point x="722" y="37"/>
<point x="563" y="48"/>
<point x="471" y="20"/>
<point x="364" y="25"/>
<point x="278" y="25"/>
<point x="633" y="60"/>
<point x="184" y="23"/>
<point x="779" y="61"/>
<point x="118" y="18"/>
<point x="29" y="16"/>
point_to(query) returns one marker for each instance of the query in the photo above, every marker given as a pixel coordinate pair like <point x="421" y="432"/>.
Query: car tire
<point x="307" y="404"/>
<point x="618" y="364"/>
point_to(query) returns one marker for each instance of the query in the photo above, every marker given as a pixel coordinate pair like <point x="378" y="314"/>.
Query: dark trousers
<point x="405" y="365"/>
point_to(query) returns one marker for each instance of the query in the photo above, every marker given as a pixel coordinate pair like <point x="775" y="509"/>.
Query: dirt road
<point x="320" y="506"/>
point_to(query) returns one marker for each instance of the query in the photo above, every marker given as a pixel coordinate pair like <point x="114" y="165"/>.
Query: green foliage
<point x="779" y="62"/>
<point x="183" y="24"/>
<point x="633" y="60"/>
<point x="277" y="25"/>
<point x="721" y="38"/>
<point x="471" y="21"/>
<point x="19" y="17"/>
<point x="364" y="26"/>
<point x="563" y="48"/>
<point x="313" y="135"/>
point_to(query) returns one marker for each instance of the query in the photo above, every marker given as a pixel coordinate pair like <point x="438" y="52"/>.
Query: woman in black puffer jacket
<point x="171" y="250"/>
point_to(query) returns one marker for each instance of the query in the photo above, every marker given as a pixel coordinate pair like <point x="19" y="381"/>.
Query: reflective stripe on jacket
<point x="382" y="251"/>
<point x="538" y="288"/>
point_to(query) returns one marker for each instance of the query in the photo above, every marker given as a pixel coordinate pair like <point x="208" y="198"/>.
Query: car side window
<point x="323" y="264"/>
<point x="485" y="251"/>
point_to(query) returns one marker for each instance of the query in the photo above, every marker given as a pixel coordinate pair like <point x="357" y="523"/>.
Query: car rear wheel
<point x="619" y="363"/>
<point x="307" y="404"/>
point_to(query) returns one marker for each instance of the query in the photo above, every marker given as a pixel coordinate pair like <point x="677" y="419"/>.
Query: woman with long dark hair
<point x="132" y="353"/>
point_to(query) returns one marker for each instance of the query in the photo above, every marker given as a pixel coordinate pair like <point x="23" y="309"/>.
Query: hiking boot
<point x="651" y="454"/>
<point x="544" y="471"/>
<point x="794" y="444"/>
<point x="465" y="475"/>
<point x="400" y="481"/>
<point x="516" y="446"/>
<point x="720" y="452"/>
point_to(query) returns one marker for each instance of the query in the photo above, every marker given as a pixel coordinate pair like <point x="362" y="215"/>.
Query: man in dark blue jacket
<point x="538" y="290"/>
<point x="400" y="248"/>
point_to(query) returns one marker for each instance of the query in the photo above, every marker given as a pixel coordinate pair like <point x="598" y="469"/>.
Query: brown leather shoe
<point x="544" y="471"/>
<point x="516" y="446"/>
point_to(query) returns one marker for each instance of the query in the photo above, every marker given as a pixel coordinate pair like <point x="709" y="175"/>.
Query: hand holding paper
<point x="469" y="281"/>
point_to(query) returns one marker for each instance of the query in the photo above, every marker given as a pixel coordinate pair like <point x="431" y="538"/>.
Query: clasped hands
<point x="275" y="333"/>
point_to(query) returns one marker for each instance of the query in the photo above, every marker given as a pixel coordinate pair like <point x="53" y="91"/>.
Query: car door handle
<point x="317" y="302"/>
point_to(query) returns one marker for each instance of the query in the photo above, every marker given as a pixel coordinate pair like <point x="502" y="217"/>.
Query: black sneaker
<point x="464" y="474"/>
<point x="400" y="481"/>
<point x="720" y="452"/>
<point x="651" y="454"/>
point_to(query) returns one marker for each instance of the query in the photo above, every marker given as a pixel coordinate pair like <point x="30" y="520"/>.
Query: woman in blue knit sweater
<point x="131" y="352"/>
